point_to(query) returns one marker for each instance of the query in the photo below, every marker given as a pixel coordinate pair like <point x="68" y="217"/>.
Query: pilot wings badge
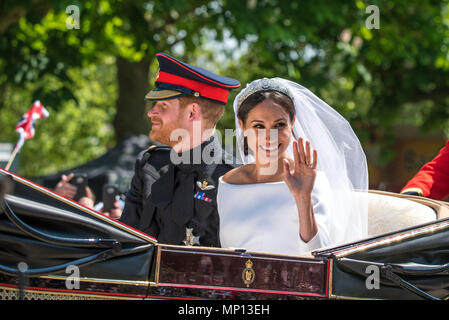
<point x="204" y="185"/>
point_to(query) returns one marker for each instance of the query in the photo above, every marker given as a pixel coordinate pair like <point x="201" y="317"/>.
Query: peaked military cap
<point x="176" y="79"/>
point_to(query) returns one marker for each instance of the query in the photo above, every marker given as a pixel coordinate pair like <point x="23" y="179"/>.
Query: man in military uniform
<point x="173" y="192"/>
<point x="432" y="180"/>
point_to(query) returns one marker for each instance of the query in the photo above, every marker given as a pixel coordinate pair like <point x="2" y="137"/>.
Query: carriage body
<point x="54" y="248"/>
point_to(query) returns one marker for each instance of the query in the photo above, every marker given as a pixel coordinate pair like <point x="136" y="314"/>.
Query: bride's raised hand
<point x="300" y="177"/>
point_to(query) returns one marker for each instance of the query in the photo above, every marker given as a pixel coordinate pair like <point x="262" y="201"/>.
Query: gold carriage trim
<point x="395" y="238"/>
<point x="7" y="293"/>
<point x="97" y="280"/>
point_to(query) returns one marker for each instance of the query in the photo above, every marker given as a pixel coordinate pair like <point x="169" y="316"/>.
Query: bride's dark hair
<point x="277" y="97"/>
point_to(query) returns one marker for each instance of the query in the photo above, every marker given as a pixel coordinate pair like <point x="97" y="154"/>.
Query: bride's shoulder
<point x="239" y="175"/>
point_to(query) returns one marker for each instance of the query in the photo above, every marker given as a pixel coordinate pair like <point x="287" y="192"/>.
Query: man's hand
<point x="64" y="188"/>
<point x="88" y="200"/>
<point x="116" y="211"/>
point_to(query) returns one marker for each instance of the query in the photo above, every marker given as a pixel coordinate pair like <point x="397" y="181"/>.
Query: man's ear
<point x="194" y="110"/>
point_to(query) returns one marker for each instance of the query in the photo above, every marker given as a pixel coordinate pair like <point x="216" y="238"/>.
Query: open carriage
<point x="54" y="248"/>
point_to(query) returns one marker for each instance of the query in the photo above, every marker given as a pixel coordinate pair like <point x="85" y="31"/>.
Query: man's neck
<point x="193" y="142"/>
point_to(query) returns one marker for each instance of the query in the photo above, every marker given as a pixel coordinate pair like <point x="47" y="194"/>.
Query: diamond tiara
<point x="264" y="84"/>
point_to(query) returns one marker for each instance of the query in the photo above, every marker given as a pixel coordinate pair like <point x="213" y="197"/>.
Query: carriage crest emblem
<point x="248" y="274"/>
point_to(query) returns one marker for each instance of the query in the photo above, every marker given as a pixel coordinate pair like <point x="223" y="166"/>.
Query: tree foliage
<point x="375" y="77"/>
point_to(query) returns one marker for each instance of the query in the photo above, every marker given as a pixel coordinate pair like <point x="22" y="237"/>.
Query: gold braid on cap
<point x="263" y="84"/>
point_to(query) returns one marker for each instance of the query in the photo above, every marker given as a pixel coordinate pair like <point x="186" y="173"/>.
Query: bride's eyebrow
<point x="280" y="119"/>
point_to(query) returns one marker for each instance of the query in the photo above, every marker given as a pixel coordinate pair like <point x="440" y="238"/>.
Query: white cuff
<point x="315" y="243"/>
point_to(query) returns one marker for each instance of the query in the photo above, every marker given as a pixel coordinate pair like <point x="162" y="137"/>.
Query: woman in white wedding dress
<point x="302" y="161"/>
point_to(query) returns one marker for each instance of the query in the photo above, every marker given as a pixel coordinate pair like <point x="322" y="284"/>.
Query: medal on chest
<point x="190" y="239"/>
<point x="203" y="185"/>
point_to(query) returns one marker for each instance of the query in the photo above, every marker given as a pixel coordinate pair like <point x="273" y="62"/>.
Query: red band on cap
<point x="205" y="90"/>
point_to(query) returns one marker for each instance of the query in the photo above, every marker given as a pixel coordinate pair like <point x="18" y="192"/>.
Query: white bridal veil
<point x="340" y="155"/>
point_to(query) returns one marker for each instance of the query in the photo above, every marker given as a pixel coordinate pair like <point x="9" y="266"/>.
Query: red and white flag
<point x="25" y="127"/>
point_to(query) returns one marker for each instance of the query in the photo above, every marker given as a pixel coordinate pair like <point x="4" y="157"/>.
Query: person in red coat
<point x="432" y="180"/>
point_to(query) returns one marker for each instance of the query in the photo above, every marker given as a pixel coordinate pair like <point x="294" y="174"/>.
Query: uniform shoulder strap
<point x="151" y="149"/>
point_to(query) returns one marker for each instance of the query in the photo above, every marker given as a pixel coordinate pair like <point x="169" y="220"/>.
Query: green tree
<point x="374" y="77"/>
<point x="42" y="55"/>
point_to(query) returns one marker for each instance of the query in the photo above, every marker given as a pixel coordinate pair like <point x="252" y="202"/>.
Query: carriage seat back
<point x="389" y="212"/>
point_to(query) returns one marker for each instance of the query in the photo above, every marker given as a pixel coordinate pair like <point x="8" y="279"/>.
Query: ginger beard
<point x="161" y="131"/>
<point x="166" y="117"/>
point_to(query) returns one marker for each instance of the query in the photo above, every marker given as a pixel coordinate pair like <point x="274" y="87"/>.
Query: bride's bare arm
<point x="300" y="178"/>
<point x="309" y="227"/>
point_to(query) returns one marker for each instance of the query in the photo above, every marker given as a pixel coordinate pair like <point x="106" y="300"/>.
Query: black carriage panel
<point x="43" y="236"/>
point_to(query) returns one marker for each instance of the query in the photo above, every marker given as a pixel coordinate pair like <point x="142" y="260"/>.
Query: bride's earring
<point x="246" y="149"/>
<point x="245" y="146"/>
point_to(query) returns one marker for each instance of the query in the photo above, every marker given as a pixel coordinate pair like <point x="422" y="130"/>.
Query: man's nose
<point x="153" y="111"/>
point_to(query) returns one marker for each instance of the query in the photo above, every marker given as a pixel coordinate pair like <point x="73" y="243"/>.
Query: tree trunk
<point x="133" y="84"/>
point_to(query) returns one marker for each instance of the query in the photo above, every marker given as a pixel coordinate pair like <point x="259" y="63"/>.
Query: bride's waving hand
<point x="300" y="177"/>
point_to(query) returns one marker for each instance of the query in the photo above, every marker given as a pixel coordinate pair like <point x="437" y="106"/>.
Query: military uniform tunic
<point x="432" y="180"/>
<point x="176" y="203"/>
